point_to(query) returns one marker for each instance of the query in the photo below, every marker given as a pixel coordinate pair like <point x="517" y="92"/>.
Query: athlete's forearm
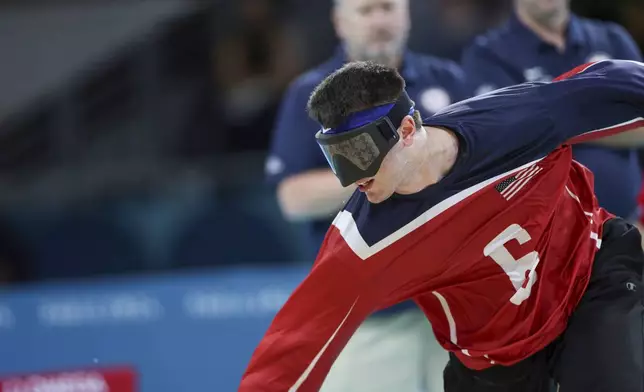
<point x="314" y="194"/>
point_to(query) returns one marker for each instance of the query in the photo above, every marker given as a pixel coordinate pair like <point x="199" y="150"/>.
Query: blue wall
<point x="190" y="332"/>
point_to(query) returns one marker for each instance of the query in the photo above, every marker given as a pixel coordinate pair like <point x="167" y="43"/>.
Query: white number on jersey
<point x="515" y="269"/>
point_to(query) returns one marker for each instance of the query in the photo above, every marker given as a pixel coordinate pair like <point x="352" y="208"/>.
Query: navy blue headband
<point x="363" y="117"/>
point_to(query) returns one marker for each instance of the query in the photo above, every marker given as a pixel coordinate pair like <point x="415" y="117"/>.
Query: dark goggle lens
<point x="361" y="150"/>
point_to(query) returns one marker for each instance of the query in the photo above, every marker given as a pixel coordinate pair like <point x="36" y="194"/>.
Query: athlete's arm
<point x="602" y="102"/>
<point x="521" y="123"/>
<point x="628" y="50"/>
<point x="313" y="326"/>
<point x="349" y="280"/>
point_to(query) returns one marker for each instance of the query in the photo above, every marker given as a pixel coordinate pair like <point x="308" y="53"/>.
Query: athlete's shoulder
<point x="495" y="106"/>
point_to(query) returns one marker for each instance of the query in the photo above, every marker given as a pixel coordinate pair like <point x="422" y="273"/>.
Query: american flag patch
<point x="509" y="187"/>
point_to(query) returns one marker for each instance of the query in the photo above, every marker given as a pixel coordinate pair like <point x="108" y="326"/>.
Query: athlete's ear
<point x="407" y="130"/>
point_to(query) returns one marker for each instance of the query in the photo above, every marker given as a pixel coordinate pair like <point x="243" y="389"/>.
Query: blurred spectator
<point x="307" y="189"/>
<point x="255" y="61"/>
<point x="542" y="40"/>
<point x="445" y="27"/>
<point x="400" y="338"/>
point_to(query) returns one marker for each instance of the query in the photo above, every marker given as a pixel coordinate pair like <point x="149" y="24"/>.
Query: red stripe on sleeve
<point x="574" y="71"/>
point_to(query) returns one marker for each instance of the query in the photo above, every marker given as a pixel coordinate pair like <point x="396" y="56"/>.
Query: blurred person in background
<point x="255" y="62"/>
<point x="542" y="39"/>
<point x="456" y="22"/>
<point x="395" y="349"/>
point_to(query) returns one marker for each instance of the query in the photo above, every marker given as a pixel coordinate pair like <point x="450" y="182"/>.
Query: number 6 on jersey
<point x="515" y="269"/>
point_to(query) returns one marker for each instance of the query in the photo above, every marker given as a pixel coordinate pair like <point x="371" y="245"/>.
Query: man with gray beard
<point x="394" y="349"/>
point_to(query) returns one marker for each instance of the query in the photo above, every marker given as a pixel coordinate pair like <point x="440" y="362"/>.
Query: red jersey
<point x="497" y="254"/>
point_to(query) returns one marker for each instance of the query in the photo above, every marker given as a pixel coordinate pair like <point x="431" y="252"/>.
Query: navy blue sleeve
<point x="485" y="70"/>
<point x="518" y="124"/>
<point x="293" y="148"/>
<point x="622" y="40"/>
<point x="596" y="100"/>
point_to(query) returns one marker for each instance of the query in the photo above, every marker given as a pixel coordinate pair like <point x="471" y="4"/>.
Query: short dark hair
<point x="354" y="87"/>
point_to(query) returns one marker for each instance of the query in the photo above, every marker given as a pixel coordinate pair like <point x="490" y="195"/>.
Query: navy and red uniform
<point x="498" y="254"/>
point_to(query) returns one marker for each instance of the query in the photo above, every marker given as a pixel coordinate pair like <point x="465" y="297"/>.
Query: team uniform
<point x="513" y="54"/>
<point x="399" y="337"/>
<point x="521" y="273"/>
